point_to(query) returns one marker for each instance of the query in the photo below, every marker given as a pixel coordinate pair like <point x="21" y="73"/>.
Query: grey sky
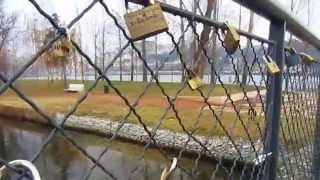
<point x="67" y="9"/>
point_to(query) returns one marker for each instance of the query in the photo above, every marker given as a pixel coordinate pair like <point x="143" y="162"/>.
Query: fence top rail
<point x="272" y="10"/>
<point x="191" y="16"/>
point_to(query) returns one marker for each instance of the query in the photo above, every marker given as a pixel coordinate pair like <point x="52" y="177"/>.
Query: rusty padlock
<point x="146" y="22"/>
<point x="231" y="40"/>
<point x="272" y="67"/>
<point x="292" y="58"/>
<point x="195" y="82"/>
<point x="307" y="59"/>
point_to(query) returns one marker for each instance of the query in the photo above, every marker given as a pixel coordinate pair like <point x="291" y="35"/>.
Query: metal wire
<point x="299" y="105"/>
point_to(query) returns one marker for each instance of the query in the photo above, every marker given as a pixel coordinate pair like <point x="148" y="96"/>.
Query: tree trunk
<point x="120" y="46"/>
<point x="95" y="55"/>
<point x="82" y="70"/>
<point x="103" y="47"/>
<point x="75" y="66"/>
<point x="64" y="69"/>
<point x="245" y="69"/>
<point x="199" y="63"/>
<point x="183" y="45"/>
<point x="144" y="55"/>
<point x="156" y="53"/>
<point x="132" y="65"/>
<point x="239" y="63"/>
<point x="214" y="45"/>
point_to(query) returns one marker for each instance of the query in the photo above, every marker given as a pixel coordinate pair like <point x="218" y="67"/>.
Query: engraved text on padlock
<point x="146" y="22"/>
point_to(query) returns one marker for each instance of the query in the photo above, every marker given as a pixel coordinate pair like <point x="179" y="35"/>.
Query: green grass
<point x="51" y="98"/>
<point x="128" y="88"/>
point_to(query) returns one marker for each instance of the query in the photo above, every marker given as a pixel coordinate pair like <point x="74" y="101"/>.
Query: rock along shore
<point x="217" y="147"/>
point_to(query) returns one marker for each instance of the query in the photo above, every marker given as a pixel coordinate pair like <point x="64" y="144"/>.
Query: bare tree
<point x="120" y="58"/>
<point x="79" y="38"/>
<point x="199" y="61"/>
<point x="103" y="50"/>
<point x="95" y="36"/>
<point x="156" y="54"/>
<point x="132" y="64"/>
<point x="183" y="43"/>
<point x="250" y="30"/>
<point x="144" y="55"/>
<point x="214" y="44"/>
<point x="7" y="23"/>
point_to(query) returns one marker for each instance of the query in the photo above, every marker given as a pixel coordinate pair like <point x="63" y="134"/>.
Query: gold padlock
<point x="195" y="82"/>
<point x="307" y="59"/>
<point x="272" y="67"/>
<point x="232" y="39"/>
<point x="146" y="22"/>
<point x="62" y="47"/>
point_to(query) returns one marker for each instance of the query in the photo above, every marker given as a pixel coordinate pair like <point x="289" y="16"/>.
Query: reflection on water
<point x="62" y="161"/>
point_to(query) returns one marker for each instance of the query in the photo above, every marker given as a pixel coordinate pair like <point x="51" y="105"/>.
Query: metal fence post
<point x="316" y="146"/>
<point x="277" y="34"/>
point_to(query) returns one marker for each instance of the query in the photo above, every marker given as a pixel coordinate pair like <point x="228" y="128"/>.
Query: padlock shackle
<point x="267" y="59"/>
<point x="290" y="50"/>
<point x="140" y="2"/>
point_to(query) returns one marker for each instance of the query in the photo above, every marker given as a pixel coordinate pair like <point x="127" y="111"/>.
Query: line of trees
<point x="7" y="23"/>
<point x="99" y="46"/>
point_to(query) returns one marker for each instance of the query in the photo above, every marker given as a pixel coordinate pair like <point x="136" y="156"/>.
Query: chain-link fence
<point x="239" y="137"/>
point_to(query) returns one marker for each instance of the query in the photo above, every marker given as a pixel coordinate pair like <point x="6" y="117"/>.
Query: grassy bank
<point x="151" y="107"/>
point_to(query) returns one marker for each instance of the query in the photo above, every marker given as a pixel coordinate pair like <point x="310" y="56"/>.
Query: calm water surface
<point x="62" y="161"/>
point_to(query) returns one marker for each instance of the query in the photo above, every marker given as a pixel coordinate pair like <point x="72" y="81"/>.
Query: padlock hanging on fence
<point x="194" y="81"/>
<point x="307" y="59"/>
<point x="292" y="58"/>
<point x="62" y="48"/>
<point x="146" y="22"/>
<point x="231" y="40"/>
<point x="272" y="66"/>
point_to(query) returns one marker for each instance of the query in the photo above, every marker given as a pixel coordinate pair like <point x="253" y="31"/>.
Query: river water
<point x="62" y="161"/>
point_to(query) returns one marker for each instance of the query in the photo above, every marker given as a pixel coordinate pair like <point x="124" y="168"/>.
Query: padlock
<point x="146" y="22"/>
<point x="62" y="48"/>
<point x="307" y="59"/>
<point x="292" y="58"/>
<point x="195" y="82"/>
<point x="231" y="40"/>
<point x="272" y="67"/>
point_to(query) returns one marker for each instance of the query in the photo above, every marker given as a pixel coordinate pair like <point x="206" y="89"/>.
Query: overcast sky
<point x="68" y="9"/>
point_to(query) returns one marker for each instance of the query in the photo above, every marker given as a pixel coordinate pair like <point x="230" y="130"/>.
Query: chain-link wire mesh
<point x="298" y="121"/>
<point x="234" y="121"/>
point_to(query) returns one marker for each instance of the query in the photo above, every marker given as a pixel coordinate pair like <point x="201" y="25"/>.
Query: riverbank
<point x="151" y="107"/>
<point x="219" y="147"/>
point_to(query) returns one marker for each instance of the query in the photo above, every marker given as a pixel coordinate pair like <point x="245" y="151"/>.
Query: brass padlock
<point x="146" y="22"/>
<point x="307" y="59"/>
<point x="272" y="67"/>
<point x="231" y="40"/>
<point x="62" y="48"/>
<point x="195" y="82"/>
